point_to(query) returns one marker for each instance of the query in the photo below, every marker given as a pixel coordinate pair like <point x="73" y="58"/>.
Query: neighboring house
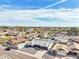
<point x="75" y="38"/>
<point x="16" y="43"/>
<point x="32" y="35"/>
<point x="62" y="38"/>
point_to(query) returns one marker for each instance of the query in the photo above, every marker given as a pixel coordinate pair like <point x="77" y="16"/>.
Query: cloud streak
<point x="51" y="5"/>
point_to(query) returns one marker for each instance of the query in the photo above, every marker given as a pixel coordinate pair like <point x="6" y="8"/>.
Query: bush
<point x="5" y="38"/>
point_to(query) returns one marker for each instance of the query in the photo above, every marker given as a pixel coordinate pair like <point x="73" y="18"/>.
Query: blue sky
<point x="39" y="12"/>
<point x="31" y="4"/>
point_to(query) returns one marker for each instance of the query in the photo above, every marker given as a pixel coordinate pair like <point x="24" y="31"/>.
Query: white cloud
<point x="69" y="16"/>
<point x="29" y="14"/>
<point x="64" y="14"/>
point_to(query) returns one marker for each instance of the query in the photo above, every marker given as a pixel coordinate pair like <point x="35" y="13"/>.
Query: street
<point x="12" y="54"/>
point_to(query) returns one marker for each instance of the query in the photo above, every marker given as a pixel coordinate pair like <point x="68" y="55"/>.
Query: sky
<point x="55" y="13"/>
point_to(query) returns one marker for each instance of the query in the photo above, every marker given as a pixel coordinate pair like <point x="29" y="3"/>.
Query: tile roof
<point x="19" y="40"/>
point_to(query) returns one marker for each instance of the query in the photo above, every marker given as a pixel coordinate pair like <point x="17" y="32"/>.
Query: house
<point x="42" y="43"/>
<point x="32" y="35"/>
<point x="75" y="38"/>
<point x="16" y="43"/>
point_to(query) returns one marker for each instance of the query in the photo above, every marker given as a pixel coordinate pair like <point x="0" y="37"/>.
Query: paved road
<point x="29" y="50"/>
<point x="13" y="55"/>
<point x="17" y="54"/>
<point x="37" y="53"/>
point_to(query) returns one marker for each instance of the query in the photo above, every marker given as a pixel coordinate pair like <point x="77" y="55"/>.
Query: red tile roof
<point x="19" y="40"/>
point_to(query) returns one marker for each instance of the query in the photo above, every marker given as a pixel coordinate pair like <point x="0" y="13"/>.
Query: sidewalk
<point x="40" y="53"/>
